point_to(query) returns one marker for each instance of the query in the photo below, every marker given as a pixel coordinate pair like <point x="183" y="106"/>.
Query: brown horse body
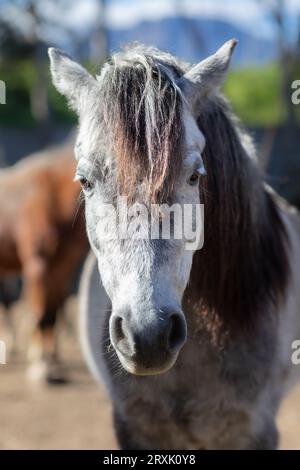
<point x="42" y="235"/>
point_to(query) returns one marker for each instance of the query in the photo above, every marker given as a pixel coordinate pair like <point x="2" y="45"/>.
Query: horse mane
<point x="141" y="106"/>
<point x="243" y="268"/>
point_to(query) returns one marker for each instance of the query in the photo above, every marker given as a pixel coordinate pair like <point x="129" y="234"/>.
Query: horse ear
<point x="207" y="76"/>
<point x="70" y="78"/>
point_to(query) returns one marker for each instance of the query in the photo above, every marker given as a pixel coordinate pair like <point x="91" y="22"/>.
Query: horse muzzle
<point x="148" y="344"/>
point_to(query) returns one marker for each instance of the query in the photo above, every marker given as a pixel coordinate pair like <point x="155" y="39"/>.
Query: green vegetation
<point x="19" y="77"/>
<point x="254" y="94"/>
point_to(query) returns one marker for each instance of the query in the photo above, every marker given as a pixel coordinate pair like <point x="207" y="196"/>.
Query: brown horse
<point x="42" y="237"/>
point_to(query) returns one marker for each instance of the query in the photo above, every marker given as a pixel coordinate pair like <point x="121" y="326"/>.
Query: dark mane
<point x="142" y="104"/>
<point x="243" y="267"/>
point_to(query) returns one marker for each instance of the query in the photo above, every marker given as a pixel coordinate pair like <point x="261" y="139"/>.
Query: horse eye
<point x="194" y="178"/>
<point x="86" y="184"/>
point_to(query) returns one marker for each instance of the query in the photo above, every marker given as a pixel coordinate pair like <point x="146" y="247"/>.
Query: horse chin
<point x="134" y="368"/>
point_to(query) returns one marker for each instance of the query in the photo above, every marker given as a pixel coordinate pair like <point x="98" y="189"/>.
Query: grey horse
<point x="194" y="345"/>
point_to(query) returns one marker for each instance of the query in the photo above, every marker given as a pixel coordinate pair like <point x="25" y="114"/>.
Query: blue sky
<point x="251" y="15"/>
<point x="244" y="13"/>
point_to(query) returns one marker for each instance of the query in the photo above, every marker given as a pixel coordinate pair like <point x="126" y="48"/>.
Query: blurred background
<point x="67" y="410"/>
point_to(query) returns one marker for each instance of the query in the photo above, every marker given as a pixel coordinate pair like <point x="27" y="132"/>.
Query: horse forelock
<point x="141" y="113"/>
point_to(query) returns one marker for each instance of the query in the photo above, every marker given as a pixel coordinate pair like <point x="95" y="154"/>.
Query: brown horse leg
<point x="56" y="372"/>
<point x="34" y="293"/>
<point x="42" y="350"/>
<point x="8" y="290"/>
<point x="13" y="348"/>
<point x="58" y="278"/>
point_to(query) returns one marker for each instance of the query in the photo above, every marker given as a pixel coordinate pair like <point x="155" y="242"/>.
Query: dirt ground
<point x="76" y="415"/>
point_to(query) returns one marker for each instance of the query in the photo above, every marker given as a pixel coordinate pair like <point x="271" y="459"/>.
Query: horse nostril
<point x="120" y="339"/>
<point x="118" y="329"/>
<point x="177" y="332"/>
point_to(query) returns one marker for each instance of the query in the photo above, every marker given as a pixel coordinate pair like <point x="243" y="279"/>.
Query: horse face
<point x="144" y="275"/>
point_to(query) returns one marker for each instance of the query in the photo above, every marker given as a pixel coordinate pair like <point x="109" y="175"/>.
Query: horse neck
<point x="243" y="267"/>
